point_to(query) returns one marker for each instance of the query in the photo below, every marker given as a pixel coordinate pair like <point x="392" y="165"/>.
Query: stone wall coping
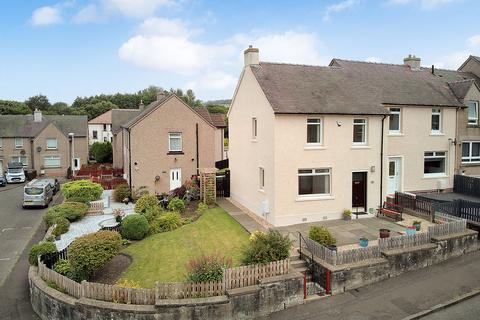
<point x="288" y="276"/>
<point x="245" y="290"/>
<point x="428" y="246"/>
<point x="137" y="308"/>
<point x="350" y="266"/>
<point x="463" y="234"/>
<point x="191" y="301"/>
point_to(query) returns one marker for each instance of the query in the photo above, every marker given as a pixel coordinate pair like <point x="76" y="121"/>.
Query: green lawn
<point x="163" y="257"/>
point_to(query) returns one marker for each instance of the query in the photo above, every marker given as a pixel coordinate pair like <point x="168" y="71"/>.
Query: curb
<point x="445" y="305"/>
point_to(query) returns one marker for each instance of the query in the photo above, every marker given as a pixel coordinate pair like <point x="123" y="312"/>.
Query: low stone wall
<point x="395" y="262"/>
<point x="270" y="295"/>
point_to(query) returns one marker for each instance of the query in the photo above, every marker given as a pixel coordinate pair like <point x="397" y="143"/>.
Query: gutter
<point x="381" y="161"/>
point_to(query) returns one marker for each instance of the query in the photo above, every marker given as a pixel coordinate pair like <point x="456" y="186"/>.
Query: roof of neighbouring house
<point x="201" y="111"/>
<point x="121" y="116"/>
<point x="103" y="118"/>
<point x="24" y="126"/>
<point x="350" y="87"/>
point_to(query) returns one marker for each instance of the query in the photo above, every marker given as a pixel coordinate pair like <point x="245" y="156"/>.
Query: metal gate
<point x="223" y="183"/>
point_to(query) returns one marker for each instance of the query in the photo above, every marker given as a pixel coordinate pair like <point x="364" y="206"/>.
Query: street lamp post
<point x="72" y="137"/>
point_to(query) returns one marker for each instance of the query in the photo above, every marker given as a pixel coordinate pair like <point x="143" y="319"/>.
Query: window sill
<point x="439" y="134"/>
<point x="254" y="140"/>
<point x="395" y="134"/>
<point x="435" y="176"/>
<point x="470" y="164"/>
<point x="360" y="147"/>
<point x="174" y="152"/>
<point x="314" y="146"/>
<point x="51" y="149"/>
<point x="261" y="191"/>
<point x="46" y="168"/>
<point x="314" y="198"/>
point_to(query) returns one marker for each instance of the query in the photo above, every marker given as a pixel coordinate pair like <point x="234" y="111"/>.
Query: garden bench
<point x="391" y="210"/>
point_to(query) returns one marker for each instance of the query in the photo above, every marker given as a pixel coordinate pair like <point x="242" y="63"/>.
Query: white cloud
<point x="474" y="41"/>
<point x="338" y="7"/>
<point x="453" y="60"/>
<point x="46" y="16"/>
<point x="89" y="13"/>
<point x="164" y="27"/>
<point x="373" y="59"/>
<point x="135" y="8"/>
<point x="213" y="81"/>
<point x="425" y="4"/>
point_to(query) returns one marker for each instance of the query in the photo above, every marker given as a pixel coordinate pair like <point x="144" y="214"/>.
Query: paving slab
<point x="240" y="216"/>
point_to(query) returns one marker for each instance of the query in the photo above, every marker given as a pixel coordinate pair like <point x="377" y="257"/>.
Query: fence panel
<point x="117" y="294"/>
<point x="402" y="242"/>
<point x="180" y="290"/>
<point x="249" y="275"/>
<point x="466" y="185"/>
<point x="63" y="283"/>
<point x="447" y="224"/>
<point x="357" y="255"/>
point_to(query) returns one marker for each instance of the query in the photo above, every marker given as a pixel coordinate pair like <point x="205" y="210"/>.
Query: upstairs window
<point x="395" y="121"/>
<point x="104" y="127"/>
<point x="472" y="112"/>
<point x="436" y="125"/>
<point x="175" y="142"/>
<point x="314" y="131"/>
<point x="18" y="143"/>
<point x="314" y="181"/>
<point x="94" y="134"/>
<point x="261" y="174"/>
<point x="52" y="143"/>
<point x="435" y="163"/>
<point x="471" y="152"/>
<point x="359" y="131"/>
<point x="254" y="129"/>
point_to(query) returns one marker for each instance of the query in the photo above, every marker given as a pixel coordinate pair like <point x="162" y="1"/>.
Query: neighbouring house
<point x="167" y="143"/>
<point x="307" y="142"/>
<point x="44" y="142"/>
<point x="100" y="128"/>
<point x="119" y="117"/>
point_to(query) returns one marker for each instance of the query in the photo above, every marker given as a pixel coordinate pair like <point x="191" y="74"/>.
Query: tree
<point x="102" y="152"/>
<point x="95" y="109"/>
<point x="217" y="108"/>
<point x="59" y="108"/>
<point x="39" y="102"/>
<point x="13" y="107"/>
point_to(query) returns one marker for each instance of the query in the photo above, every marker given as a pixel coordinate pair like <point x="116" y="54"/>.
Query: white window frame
<point x="17" y="159"/>
<point x="472" y="121"/>
<point x="315" y="121"/>
<point x="18" y="145"/>
<point x="365" y="131"/>
<point x="435" y="156"/>
<point x="56" y="143"/>
<point x="437" y="112"/>
<point x="54" y="157"/>
<point x="254" y="128"/>
<point x="261" y="178"/>
<point x="175" y="135"/>
<point x="315" y="173"/>
<point x="396" y="111"/>
<point x="470" y="159"/>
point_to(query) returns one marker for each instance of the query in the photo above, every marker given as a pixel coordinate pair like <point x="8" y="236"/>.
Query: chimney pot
<point x="160" y="95"/>
<point x="251" y="56"/>
<point x="141" y="105"/>
<point x="412" y="62"/>
<point x="37" y="115"/>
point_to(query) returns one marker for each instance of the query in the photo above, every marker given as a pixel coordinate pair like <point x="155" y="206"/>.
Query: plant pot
<point x="347" y="218"/>
<point x="332" y="247"/>
<point x="411" y="231"/>
<point x="57" y="238"/>
<point x="417" y="226"/>
<point x="384" y="233"/>
<point x="363" y="242"/>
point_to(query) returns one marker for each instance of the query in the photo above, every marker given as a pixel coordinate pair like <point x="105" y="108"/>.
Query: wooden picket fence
<point x="249" y="275"/>
<point x="113" y="293"/>
<point x="357" y="255"/>
<point x="185" y="290"/>
<point x="447" y="224"/>
<point x="402" y="242"/>
<point x="96" y="208"/>
<point x="63" y="283"/>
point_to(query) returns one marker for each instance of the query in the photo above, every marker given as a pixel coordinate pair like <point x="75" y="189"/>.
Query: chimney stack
<point x="141" y="106"/>
<point x="412" y="61"/>
<point x="251" y="56"/>
<point x="160" y="95"/>
<point x="37" y="115"/>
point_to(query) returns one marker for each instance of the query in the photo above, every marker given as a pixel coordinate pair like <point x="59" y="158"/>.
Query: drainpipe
<point x="32" y="156"/>
<point x="196" y="142"/>
<point x="129" y="161"/>
<point x="381" y="162"/>
<point x="458" y="171"/>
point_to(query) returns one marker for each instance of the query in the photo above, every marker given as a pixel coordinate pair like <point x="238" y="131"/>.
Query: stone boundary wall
<point x="269" y="295"/>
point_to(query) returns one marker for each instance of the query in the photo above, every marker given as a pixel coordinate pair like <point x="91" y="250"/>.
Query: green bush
<point x="61" y="226"/>
<point x="134" y="227"/>
<point x="153" y="213"/>
<point x="70" y="210"/>
<point x="63" y="267"/>
<point x="79" y="200"/>
<point x="167" y="221"/>
<point x="176" y="204"/>
<point x="202" y="208"/>
<point x="39" y="249"/>
<point x="321" y="235"/>
<point x="90" y="252"/>
<point x="207" y="268"/>
<point x="121" y="192"/>
<point x="102" y="152"/>
<point x="266" y="247"/>
<point x="82" y="189"/>
<point x="145" y="202"/>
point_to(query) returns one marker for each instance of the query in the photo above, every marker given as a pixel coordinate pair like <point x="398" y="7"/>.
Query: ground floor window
<point x="471" y="152"/>
<point x="51" y="161"/>
<point x="314" y="181"/>
<point x="435" y="163"/>
<point x="22" y="159"/>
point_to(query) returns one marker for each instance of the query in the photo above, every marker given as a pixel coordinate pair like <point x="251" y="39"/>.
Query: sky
<point x="70" y="48"/>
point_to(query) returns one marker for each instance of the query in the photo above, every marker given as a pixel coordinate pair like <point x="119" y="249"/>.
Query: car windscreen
<point x="14" y="170"/>
<point x="33" y="191"/>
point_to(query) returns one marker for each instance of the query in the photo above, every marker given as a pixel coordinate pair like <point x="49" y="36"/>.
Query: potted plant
<point x="384" y="233"/>
<point x="118" y="214"/>
<point x="411" y="231"/>
<point x="347" y="215"/>
<point x="417" y="224"/>
<point x="363" y="242"/>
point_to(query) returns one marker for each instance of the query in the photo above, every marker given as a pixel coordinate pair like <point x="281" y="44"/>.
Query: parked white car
<point x="15" y="173"/>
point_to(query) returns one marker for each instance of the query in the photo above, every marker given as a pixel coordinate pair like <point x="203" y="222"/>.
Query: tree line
<point x="94" y="106"/>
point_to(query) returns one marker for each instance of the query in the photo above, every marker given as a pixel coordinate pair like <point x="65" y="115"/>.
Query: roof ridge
<point x="464" y="80"/>
<point x="295" y="64"/>
<point x="370" y="62"/>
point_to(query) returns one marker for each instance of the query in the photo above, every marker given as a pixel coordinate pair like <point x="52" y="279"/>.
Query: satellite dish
<point x="22" y="152"/>
<point x="39" y="149"/>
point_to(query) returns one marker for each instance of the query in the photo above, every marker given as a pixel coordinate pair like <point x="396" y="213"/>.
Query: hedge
<point x="39" y="249"/>
<point x="61" y="226"/>
<point x="69" y="210"/>
<point x="82" y="189"/>
<point x="121" y="192"/>
<point x="266" y="247"/>
<point x="146" y="202"/>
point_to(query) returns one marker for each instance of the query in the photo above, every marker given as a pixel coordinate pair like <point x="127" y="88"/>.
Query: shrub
<point x="207" y="268"/>
<point x="138" y="192"/>
<point x="70" y="210"/>
<point x="179" y="192"/>
<point x="145" y="202"/>
<point x="102" y="152"/>
<point x="266" y="247"/>
<point x="134" y="227"/>
<point x="321" y="235"/>
<point x="176" y="204"/>
<point x="63" y="267"/>
<point x="61" y="226"/>
<point x="121" y="192"/>
<point x="165" y="222"/>
<point x="39" y="249"/>
<point x="82" y="189"/>
<point x="79" y="200"/>
<point x="202" y="208"/>
<point x="90" y="252"/>
<point x="153" y="213"/>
